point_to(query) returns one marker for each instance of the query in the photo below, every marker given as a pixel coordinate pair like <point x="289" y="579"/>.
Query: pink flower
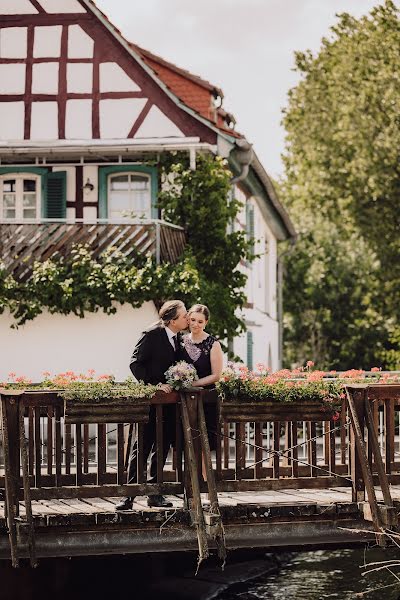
<point x="22" y="379"/>
<point x="376" y="369"/>
<point x="336" y="416"/>
<point x="310" y="363"/>
<point x="315" y="376"/>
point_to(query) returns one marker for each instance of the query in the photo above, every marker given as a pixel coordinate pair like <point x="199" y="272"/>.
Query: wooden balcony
<point x="23" y="243"/>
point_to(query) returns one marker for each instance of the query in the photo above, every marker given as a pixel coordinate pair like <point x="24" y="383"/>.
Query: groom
<point x="156" y="350"/>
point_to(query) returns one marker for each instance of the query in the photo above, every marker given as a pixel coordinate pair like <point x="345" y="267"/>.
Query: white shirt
<point x="171" y="335"/>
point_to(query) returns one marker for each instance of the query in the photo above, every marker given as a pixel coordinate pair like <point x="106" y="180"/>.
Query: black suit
<point x="152" y="356"/>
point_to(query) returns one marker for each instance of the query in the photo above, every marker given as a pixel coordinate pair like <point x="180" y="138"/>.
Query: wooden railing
<point x="21" y="244"/>
<point x="272" y="452"/>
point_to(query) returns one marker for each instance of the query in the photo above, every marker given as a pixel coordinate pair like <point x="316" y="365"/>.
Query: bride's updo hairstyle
<point x="200" y="308"/>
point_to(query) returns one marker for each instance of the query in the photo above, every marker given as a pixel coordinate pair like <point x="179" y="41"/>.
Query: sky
<point x="245" y="47"/>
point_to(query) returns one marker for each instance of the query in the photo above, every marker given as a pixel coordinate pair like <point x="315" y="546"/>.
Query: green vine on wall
<point x="78" y="284"/>
<point x="198" y="200"/>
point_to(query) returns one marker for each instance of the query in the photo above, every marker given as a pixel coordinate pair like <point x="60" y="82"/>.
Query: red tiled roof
<point x="193" y="91"/>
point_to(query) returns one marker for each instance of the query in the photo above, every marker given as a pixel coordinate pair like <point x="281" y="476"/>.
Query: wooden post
<point x="374" y="444"/>
<point x="10" y="428"/>
<point x="192" y="468"/>
<point x="27" y="487"/>
<point x="357" y="416"/>
<point x="215" y="527"/>
<point x="361" y="473"/>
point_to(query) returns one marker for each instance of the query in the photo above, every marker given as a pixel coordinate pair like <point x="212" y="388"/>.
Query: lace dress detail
<point x="199" y="354"/>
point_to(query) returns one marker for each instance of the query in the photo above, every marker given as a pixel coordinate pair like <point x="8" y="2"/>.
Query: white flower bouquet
<point x="181" y="375"/>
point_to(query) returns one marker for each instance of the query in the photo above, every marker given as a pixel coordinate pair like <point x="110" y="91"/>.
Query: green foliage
<point x="342" y="186"/>
<point x="327" y="393"/>
<point x="96" y="391"/>
<point x="78" y="284"/>
<point x="85" y="388"/>
<point x="199" y="200"/>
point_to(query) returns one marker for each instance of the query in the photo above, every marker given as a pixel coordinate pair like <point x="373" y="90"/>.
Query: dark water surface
<point x="250" y="575"/>
<point x="323" y="575"/>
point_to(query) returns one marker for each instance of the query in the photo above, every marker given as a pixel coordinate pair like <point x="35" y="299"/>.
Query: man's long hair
<point x="169" y="311"/>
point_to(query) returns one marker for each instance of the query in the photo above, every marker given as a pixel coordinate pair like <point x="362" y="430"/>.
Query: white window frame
<point x="111" y="176"/>
<point x="19" y="192"/>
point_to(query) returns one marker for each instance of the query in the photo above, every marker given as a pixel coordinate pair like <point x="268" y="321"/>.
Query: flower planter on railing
<point x="259" y="411"/>
<point x="107" y="410"/>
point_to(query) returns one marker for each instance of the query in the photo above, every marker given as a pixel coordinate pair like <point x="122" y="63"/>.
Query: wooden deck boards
<point x="94" y="506"/>
<point x="284" y="518"/>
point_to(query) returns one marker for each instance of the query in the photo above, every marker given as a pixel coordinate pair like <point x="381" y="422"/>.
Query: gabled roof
<point x="194" y="92"/>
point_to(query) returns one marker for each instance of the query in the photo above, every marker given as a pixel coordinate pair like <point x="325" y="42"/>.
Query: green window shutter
<point x="250" y="350"/>
<point x="55" y="195"/>
<point x="250" y="224"/>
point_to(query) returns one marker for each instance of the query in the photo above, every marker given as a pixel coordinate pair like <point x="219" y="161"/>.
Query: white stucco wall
<point x="58" y="343"/>
<point x="261" y="291"/>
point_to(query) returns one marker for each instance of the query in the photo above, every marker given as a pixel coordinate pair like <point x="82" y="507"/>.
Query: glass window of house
<point x="19" y="197"/>
<point x="129" y="196"/>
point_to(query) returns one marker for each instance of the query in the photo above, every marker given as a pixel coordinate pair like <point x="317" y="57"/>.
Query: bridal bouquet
<point x="181" y="375"/>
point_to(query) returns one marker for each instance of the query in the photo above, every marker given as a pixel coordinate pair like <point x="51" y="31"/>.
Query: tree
<point x="342" y="184"/>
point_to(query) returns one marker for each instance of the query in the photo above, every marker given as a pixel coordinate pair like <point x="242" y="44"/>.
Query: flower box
<point x="107" y="410"/>
<point x="259" y="411"/>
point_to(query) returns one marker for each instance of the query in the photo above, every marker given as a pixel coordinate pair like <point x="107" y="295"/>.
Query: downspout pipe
<point x="243" y="154"/>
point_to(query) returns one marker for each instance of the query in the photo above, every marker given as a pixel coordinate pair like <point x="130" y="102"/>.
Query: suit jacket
<point x="153" y="355"/>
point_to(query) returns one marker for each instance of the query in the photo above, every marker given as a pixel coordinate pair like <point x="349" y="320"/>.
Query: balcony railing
<point x="23" y="243"/>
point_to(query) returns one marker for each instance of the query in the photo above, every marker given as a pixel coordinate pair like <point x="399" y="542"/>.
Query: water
<point x="324" y="575"/>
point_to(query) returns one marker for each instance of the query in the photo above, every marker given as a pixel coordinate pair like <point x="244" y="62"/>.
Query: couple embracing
<point x="159" y="347"/>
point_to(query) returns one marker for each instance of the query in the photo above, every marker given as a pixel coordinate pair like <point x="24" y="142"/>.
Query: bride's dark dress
<point x="198" y="355"/>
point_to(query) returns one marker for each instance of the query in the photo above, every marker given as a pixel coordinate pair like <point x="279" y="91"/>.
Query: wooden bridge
<point x="280" y="478"/>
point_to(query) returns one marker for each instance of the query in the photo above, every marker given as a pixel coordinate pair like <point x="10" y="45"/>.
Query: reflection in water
<point x="323" y="575"/>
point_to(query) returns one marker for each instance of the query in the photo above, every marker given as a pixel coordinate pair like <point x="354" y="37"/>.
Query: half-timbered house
<point x="81" y="112"/>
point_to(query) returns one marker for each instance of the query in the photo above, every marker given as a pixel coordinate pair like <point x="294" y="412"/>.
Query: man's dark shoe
<point x="125" y="504"/>
<point x="158" y="500"/>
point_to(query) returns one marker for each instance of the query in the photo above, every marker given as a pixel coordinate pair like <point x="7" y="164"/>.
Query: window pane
<point x="9" y="185"/>
<point x="9" y="214"/>
<point x="9" y="200"/>
<point x="140" y="183"/>
<point x="29" y="213"/>
<point x="29" y="201"/>
<point x="120" y="201"/>
<point x="29" y="185"/>
<point x="141" y="202"/>
<point x="120" y="183"/>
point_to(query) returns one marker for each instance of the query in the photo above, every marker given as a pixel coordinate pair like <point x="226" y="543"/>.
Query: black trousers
<point x="149" y="443"/>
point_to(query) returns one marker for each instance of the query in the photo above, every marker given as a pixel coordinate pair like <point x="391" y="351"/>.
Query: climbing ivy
<point x="198" y="200"/>
<point x="79" y="283"/>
